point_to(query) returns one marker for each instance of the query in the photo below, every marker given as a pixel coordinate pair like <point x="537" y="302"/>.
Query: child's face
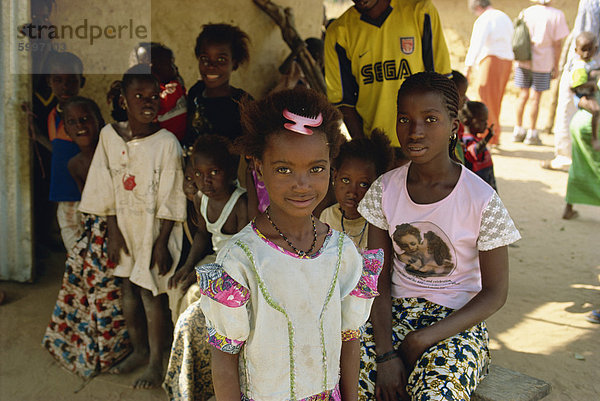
<point x="295" y="170"/>
<point x="81" y="125"/>
<point x="216" y="64"/>
<point x="424" y="127"/>
<point x="351" y="182"/>
<point x="210" y="178"/>
<point x="142" y="101"/>
<point x="189" y="184"/>
<point x="64" y="86"/>
<point x="478" y="123"/>
<point x="585" y="48"/>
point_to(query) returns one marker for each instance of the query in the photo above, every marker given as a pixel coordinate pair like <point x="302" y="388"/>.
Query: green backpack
<point x="521" y="42"/>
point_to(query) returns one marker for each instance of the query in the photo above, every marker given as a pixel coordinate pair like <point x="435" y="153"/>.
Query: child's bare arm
<point x="494" y="289"/>
<point x="115" y="239"/>
<point x="482" y="143"/>
<point x="353" y="121"/>
<point x="349" y="368"/>
<point x="74" y="167"/>
<point x="185" y="276"/>
<point x="161" y="257"/>
<point x="594" y="74"/>
<point x="225" y="376"/>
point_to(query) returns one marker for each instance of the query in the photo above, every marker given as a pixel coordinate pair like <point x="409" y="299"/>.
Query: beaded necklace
<point x="282" y="235"/>
<point x="361" y="233"/>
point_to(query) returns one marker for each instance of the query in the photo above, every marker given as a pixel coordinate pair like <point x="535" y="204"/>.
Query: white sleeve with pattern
<point x="224" y="303"/>
<point x="497" y="228"/>
<point x="370" y="206"/>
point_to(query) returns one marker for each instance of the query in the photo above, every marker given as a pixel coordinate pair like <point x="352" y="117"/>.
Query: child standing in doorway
<point x="87" y="333"/>
<point x="136" y="181"/>
<point x="287" y="295"/>
<point x="213" y="104"/>
<point x="65" y="79"/>
<point x="426" y="337"/>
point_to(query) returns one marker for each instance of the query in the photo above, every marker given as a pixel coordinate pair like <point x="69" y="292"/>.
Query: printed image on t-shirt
<point x="425" y="249"/>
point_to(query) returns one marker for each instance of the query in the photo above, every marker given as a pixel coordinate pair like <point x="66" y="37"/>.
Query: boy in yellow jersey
<point x="371" y="49"/>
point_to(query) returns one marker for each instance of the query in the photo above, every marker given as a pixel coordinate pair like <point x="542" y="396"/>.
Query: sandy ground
<point x="541" y="331"/>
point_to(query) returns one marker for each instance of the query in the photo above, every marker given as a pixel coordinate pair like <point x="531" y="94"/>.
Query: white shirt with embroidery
<point x="286" y="315"/>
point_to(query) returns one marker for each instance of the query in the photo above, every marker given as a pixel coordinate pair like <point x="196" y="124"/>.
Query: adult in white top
<point x="588" y="20"/>
<point x="547" y="28"/>
<point x="490" y="50"/>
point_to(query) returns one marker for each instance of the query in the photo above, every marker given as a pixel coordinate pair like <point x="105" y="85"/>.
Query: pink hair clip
<point x="300" y="122"/>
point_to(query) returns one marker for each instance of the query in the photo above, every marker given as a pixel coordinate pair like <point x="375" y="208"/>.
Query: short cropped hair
<point x="225" y="33"/>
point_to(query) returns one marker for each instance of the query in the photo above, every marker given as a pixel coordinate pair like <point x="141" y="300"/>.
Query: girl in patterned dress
<point x="287" y="295"/>
<point x="444" y="233"/>
<point x="87" y="332"/>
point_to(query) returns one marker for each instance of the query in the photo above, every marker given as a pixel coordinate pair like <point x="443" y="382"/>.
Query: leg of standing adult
<point x="493" y="77"/>
<point x="533" y="137"/>
<point x="519" y="131"/>
<point x="565" y="109"/>
<point x="534" y="108"/>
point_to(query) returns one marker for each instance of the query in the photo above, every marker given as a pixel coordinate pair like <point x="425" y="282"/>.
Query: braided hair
<point x="433" y="82"/>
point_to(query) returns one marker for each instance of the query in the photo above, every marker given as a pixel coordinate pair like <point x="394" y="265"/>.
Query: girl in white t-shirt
<point x="444" y="233"/>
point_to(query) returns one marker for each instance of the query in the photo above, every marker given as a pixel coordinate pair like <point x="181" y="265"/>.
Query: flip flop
<point x="593" y="316"/>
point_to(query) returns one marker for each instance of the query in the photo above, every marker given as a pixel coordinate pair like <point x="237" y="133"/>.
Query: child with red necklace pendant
<point x="287" y="295"/>
<point x="135" y="180"/>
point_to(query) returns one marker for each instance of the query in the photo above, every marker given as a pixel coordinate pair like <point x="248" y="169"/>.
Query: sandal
<point x="593" y="316"/>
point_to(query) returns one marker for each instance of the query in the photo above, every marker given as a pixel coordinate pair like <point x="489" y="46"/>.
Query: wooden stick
<point x="284" y="18"/>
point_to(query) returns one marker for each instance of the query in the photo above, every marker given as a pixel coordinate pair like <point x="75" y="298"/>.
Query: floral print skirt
<point x="87" y="332"/>
<point x="188" y="376"/>
<point x="449" y="370"/>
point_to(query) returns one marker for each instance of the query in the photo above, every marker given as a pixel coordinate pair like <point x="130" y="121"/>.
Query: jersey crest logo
<point x="407" y="44"/>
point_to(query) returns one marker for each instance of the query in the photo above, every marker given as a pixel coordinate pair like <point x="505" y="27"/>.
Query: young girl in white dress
<point x="135" y="180"/>
<point x="427" y="339"/>
<point x="287" y="296"/>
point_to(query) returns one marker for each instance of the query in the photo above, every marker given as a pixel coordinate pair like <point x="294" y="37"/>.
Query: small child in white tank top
<point x="222" y="208"/>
